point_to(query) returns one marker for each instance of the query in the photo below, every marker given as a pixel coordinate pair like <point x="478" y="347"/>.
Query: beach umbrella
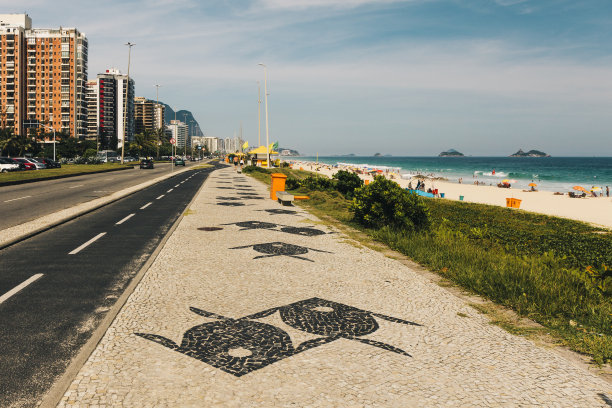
<point x="596" y="189"/>
<point x="579" y="188"/>
<point x="505" y="181"/>
<point x="532" y="185"/>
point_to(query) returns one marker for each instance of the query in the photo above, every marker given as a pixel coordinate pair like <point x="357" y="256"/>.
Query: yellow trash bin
<point x="509" y="202"/>
<point x="278" y="184"/>
<point x="517" y="203"/>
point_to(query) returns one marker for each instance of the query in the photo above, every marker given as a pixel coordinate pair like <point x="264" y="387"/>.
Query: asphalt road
<point x="76" y="272"/>
<point x="25" y="202"/>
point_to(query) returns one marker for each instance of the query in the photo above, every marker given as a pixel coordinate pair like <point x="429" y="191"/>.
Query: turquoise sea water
<point x="550" y="173"/>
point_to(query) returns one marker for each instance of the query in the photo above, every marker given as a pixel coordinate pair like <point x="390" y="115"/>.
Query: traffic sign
<point x="172" y="141"/>
<point x="199" y="147"/>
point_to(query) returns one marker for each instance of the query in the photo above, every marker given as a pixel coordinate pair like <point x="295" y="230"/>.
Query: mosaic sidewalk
<point x="252" y="304"/>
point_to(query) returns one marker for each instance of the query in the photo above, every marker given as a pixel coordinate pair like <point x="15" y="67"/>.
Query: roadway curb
<point x="4" y="243"/>
<point x="17" y="182"/>
<point x="54" y="396"/>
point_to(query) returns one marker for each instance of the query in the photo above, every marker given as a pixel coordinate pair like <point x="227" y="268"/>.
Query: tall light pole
<point x="266" y="101"/>
<point x="160" y="118"/>
<point x="258" y="114"/>
<point x="125" y="104"/>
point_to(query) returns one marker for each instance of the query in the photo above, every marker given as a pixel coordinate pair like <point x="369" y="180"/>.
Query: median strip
<point x="125" y="219"/>
<point x="20" y="287"/>
<point x="85" y="245"/>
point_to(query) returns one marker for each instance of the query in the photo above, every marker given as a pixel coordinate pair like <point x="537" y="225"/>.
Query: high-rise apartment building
<point x="148" y="115"/>
<point x="106" y="95"/>
<point x="42" y="77"/>
<point x="179" y="131"/>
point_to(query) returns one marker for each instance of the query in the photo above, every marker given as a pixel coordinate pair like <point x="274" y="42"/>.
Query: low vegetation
<point x="552" y="270"/>
<point x="65" y="170"/>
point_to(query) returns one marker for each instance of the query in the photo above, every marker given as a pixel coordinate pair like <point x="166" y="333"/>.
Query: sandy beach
<point x="594" y="210"/>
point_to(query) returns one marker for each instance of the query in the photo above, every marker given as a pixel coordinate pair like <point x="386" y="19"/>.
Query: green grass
<point x="534" y="264"/>
<point x="66" y="169"/>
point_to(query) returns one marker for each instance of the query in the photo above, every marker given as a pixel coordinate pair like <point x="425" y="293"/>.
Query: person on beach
<point x="607" y="191"/>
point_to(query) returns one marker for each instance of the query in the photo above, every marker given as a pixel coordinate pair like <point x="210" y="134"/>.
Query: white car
<point x="8" y="165"/>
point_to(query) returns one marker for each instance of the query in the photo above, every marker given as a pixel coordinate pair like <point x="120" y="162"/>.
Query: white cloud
<point x="304" y="4"/>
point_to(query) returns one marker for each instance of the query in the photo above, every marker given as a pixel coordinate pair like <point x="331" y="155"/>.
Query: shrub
<point x="292" y="183"/>
<point x="251" y="169"/>
<point x="384" y="202"/>
<point x="284" y="164"/>
<point x="314" y="183"/>
<point x="347" y="182"/>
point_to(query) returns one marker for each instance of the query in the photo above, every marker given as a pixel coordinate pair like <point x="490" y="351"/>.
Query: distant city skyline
<point x="400" y="77"/>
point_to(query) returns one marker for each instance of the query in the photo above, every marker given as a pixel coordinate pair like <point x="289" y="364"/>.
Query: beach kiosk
<point x="259" y="155"/>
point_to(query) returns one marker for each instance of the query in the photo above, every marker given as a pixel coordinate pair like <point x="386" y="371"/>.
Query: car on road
<point x="146" y="164"/>
<point x="179" y="162"/>
<point x="7" y="165"/>
<point x="37" y="164"/>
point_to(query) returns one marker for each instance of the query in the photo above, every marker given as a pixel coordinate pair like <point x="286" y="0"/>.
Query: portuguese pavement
<point x="254" y="304"/>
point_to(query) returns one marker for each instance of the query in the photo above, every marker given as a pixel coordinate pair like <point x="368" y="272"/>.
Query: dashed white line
<point x="80" y="185"/>
<point x="125" y="219"/>
<point x="176" y="185"/>
<point x="15" y="199"/>
<point x="20" y="287"/>
<point x="146" y="205"/>
<point x="160" y="197"/>
<point x="85" y="245"/>
<point x="169" y="191"/>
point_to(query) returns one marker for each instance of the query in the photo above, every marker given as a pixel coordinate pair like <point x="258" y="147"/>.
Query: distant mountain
<point x="531" y="153"/>
<point x="194" y="128"/>
<point x="377" y="155"/>
<point x="451" y="153"/>
<point x="287" y="152"/>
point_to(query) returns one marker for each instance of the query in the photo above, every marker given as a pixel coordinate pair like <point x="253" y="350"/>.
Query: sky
<point x="400" y="77"/>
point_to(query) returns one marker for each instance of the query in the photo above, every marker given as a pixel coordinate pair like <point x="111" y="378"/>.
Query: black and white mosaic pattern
<point x="231" y="204"/>
<point x="272" y="249"/>
<point x="241" y="346"/>
<point x="302" y="231"/>
<point x="279" y="211"/>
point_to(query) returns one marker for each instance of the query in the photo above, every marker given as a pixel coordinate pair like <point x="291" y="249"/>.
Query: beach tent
<point x="261" y="150"/>
<point x="260" y="154"/>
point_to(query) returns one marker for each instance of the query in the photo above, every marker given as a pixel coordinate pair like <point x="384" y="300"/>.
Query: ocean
<point x="549" y="173"/>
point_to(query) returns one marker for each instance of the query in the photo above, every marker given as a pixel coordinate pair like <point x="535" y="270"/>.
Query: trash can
<point x="460" y="198"/>
<point x="516" y="203"/>
<point x="441" y="195"/>
<point x="509" y="202"/>
<point x="278" y="184"/>
<point x="367" y="182"/>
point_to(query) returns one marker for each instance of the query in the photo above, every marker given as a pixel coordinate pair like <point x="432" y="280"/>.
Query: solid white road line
<point x="160" y="197"/>
<point x="80" y="185"/>
<point x="169" y="191"/>
<point x="146" y="205"/>
<point x="20" y="287"/>
<point x="15" y="199"/>
<point x="125" y="219"/>
<point x="85" y="245"/>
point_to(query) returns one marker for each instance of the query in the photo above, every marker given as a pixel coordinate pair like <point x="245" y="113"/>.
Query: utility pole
<point x="266" y="101"/>
<point x="258" y="114"/>
<point x="127" y="92"/>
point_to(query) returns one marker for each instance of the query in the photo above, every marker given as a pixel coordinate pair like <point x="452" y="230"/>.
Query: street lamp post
<point x="53" y="129"/>
<point x="127" y="92"/>
<point x="258" y="114"/>
<point x="266" y="102"/>
<point x="161" y="119"/>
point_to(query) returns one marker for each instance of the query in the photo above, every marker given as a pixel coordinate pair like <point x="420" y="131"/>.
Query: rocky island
<point x="451" y="153"/>
<point x="531" y="153"/>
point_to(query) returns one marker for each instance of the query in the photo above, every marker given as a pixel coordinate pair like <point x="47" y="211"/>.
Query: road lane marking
<point x="125" y="219"/>
<point x="160" y="197"/>
<point x="20" y="287"/>
<point x="169" y="191"/>
<point x="80" y="185"/>
<point x="176" y="185"/>
<point x="103" y="191"/>
<point x="85" y="245"/>
<point x="146" y="205"/>
<point x="15" y="199"/>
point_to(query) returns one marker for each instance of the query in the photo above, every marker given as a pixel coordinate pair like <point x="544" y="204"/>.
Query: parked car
<point x="51" y="164"/>
<point x="7" y="165"/>
<point x="146" y="164"/>
<point x="179" y="162"/>
<point x="26" y="162"/>
<point x="22" y="166"/>
<point x="39" y="165"/>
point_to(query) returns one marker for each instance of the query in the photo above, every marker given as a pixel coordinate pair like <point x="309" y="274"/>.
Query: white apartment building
<point x="179" y="132"/>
